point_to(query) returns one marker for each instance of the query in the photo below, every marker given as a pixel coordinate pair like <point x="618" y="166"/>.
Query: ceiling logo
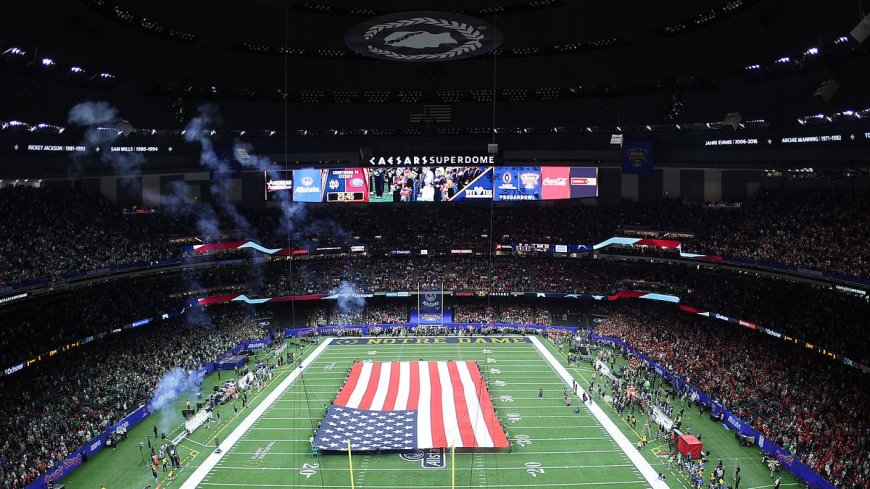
<point x="423" y="36"/>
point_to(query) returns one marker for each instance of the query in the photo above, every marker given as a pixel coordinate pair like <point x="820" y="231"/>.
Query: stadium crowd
<point x="336" y="315"/>
<point x="63" y="402"/>
<point x="814" y="229"/>
<point x="38" y="325"/>
<point x="807" y="404"/>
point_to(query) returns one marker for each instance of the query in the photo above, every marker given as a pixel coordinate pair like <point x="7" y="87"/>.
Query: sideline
<point x="209" y="463"/>
<point x="618" y="436"/>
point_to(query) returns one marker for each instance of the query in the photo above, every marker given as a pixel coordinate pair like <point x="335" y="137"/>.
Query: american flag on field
<point x="411" y="405"/>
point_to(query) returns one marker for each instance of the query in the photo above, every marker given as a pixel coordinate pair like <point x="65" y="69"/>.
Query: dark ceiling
<point x="606" y="62"/>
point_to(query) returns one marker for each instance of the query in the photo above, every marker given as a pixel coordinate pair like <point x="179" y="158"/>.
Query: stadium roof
<point x="559" y="63"/>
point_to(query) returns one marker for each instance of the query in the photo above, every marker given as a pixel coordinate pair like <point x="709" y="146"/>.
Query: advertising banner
<point x="583" y="182"/>
<point x="555" y="183"/>
<point x="308" y="186"/>
<point x="512" y="183"/>
<point x="277" y="181"/>
<point x="252" y="345"/>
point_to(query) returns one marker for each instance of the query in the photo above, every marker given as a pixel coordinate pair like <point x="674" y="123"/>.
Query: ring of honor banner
<point x="637" y="157"/>
<point x="430" y="308"/>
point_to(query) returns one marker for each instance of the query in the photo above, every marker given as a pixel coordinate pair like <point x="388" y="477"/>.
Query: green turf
<point x="123" y="469"/>
<point x="721" y="442"/>
<point x="566" y="449"/>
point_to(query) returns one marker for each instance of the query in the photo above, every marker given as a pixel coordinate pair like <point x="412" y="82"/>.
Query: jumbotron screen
<point x="435" y="183"/>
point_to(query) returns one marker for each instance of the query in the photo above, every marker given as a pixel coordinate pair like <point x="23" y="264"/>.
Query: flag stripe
<point x="414" y="388"/>
<point x="344" y="395"/>
<point x="448" y="405"/>
<point x="362" y="384"/>
<point x="383" y="385"/>
<point x="393" y="391"/>
<point x="492" y="423"/>
<point x="466" y="432"/>
<point x="424" y="409"/>
<point x="478" y="420"/>
<point x="404" y="385"/>
<point x="439" y="438"/>
<point x="372" y="387"/>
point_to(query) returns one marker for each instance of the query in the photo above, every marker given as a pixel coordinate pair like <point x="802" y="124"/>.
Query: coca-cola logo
<point x="555" y="182"/>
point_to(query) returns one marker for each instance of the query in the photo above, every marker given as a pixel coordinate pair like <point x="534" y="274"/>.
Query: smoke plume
<point x="175" y="385"/>
<point x="349" y="297"/>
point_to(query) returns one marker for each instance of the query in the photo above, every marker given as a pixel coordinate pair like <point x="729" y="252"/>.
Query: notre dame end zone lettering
<point x="431" y="341"/>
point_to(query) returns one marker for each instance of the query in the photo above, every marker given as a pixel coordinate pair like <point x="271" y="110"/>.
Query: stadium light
<point x="77" y="69"/>
<point x="812" y="51"/>
<point x="15" y="51"/>
<point x="47" y="62"/>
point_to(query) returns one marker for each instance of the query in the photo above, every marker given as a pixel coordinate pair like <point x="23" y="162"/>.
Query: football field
<point x="552" y="444"/>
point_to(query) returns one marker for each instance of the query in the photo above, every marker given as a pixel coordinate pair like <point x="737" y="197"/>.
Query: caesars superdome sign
<point x="423" y="36"/>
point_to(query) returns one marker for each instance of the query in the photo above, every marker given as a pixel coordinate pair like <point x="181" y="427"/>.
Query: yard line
<point x="519" y="451"/>
<point x="404" y="486"/>
<point x="417" y="469"/>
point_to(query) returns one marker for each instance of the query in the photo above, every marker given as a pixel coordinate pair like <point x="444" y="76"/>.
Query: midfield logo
<point x="432" y="458"/>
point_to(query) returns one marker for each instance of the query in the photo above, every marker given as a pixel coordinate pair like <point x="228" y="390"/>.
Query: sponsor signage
<point x="843" y="288"/>
<point x="431" y="160"/>
<point x="11" y="298"/>
<point x="308" y="185"/>
<point x="277" y="185"/>
<point x="513" y="183"/>
<point x="14" y="368"/>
